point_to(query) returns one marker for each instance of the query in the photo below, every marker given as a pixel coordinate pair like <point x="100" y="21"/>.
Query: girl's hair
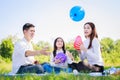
<point x="93" y="33"/>
<point x="55" y="47"/>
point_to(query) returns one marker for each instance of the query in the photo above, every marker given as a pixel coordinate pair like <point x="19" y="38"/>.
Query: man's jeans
<point x="30" y="68"/>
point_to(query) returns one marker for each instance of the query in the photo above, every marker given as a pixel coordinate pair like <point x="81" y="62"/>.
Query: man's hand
<point x="44" y="51"/>
<point x="36" y="62"/>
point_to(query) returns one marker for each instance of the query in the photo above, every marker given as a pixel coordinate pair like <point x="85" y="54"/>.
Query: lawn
<point x="61" y="76"/>
<point x="6" y="67"/>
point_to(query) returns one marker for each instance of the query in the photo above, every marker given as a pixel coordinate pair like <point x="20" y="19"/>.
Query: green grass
<point x="5" y="67"/>
<point x="62" y="76"/>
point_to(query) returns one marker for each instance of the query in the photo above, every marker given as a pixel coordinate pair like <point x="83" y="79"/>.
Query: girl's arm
<point x="70" y="55"/>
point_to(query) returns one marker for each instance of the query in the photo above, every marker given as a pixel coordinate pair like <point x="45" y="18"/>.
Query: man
<point x="23" y="55"/>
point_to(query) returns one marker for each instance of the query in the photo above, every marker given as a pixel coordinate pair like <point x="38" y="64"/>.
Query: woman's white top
<point x="93" y="55"/>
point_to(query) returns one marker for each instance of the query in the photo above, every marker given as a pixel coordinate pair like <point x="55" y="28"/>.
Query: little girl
<point x="55" y="64"/>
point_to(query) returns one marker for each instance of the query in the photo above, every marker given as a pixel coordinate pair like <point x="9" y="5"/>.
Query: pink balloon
<point x="78" y="42"/>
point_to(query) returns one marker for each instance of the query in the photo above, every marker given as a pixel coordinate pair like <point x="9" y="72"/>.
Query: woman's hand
<point x="77" y="46"/>
<point x="82" y="47"/>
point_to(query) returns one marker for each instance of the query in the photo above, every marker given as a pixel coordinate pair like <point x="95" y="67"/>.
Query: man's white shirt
<point x="18" y="57"/>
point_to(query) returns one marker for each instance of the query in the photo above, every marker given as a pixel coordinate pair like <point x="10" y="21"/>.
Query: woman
<point x="90" y="50"/>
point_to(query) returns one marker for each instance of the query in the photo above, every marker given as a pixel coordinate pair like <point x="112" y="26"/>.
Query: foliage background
<point x="110" y="50"/>
<point x="110" y="53"/>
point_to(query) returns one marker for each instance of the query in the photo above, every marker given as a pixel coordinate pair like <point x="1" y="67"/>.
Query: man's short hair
<point x="27" y="26"/>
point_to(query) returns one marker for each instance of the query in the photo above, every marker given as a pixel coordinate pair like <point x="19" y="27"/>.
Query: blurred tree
<point x="107" y="45"/>
<point x="117" y="46"/>
<point x="6" y="47"/>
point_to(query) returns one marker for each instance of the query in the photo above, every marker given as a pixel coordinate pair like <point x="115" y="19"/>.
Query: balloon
<point x="61" y="56"/>
<point x="78" y="42"/>
<point x="77" y="13"/>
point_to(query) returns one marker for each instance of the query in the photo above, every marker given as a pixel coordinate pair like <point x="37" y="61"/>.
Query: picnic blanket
<point x="106" y="72"/>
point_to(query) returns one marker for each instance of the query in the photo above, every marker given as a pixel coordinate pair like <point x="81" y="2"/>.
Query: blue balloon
<point x="77" y="13"/>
